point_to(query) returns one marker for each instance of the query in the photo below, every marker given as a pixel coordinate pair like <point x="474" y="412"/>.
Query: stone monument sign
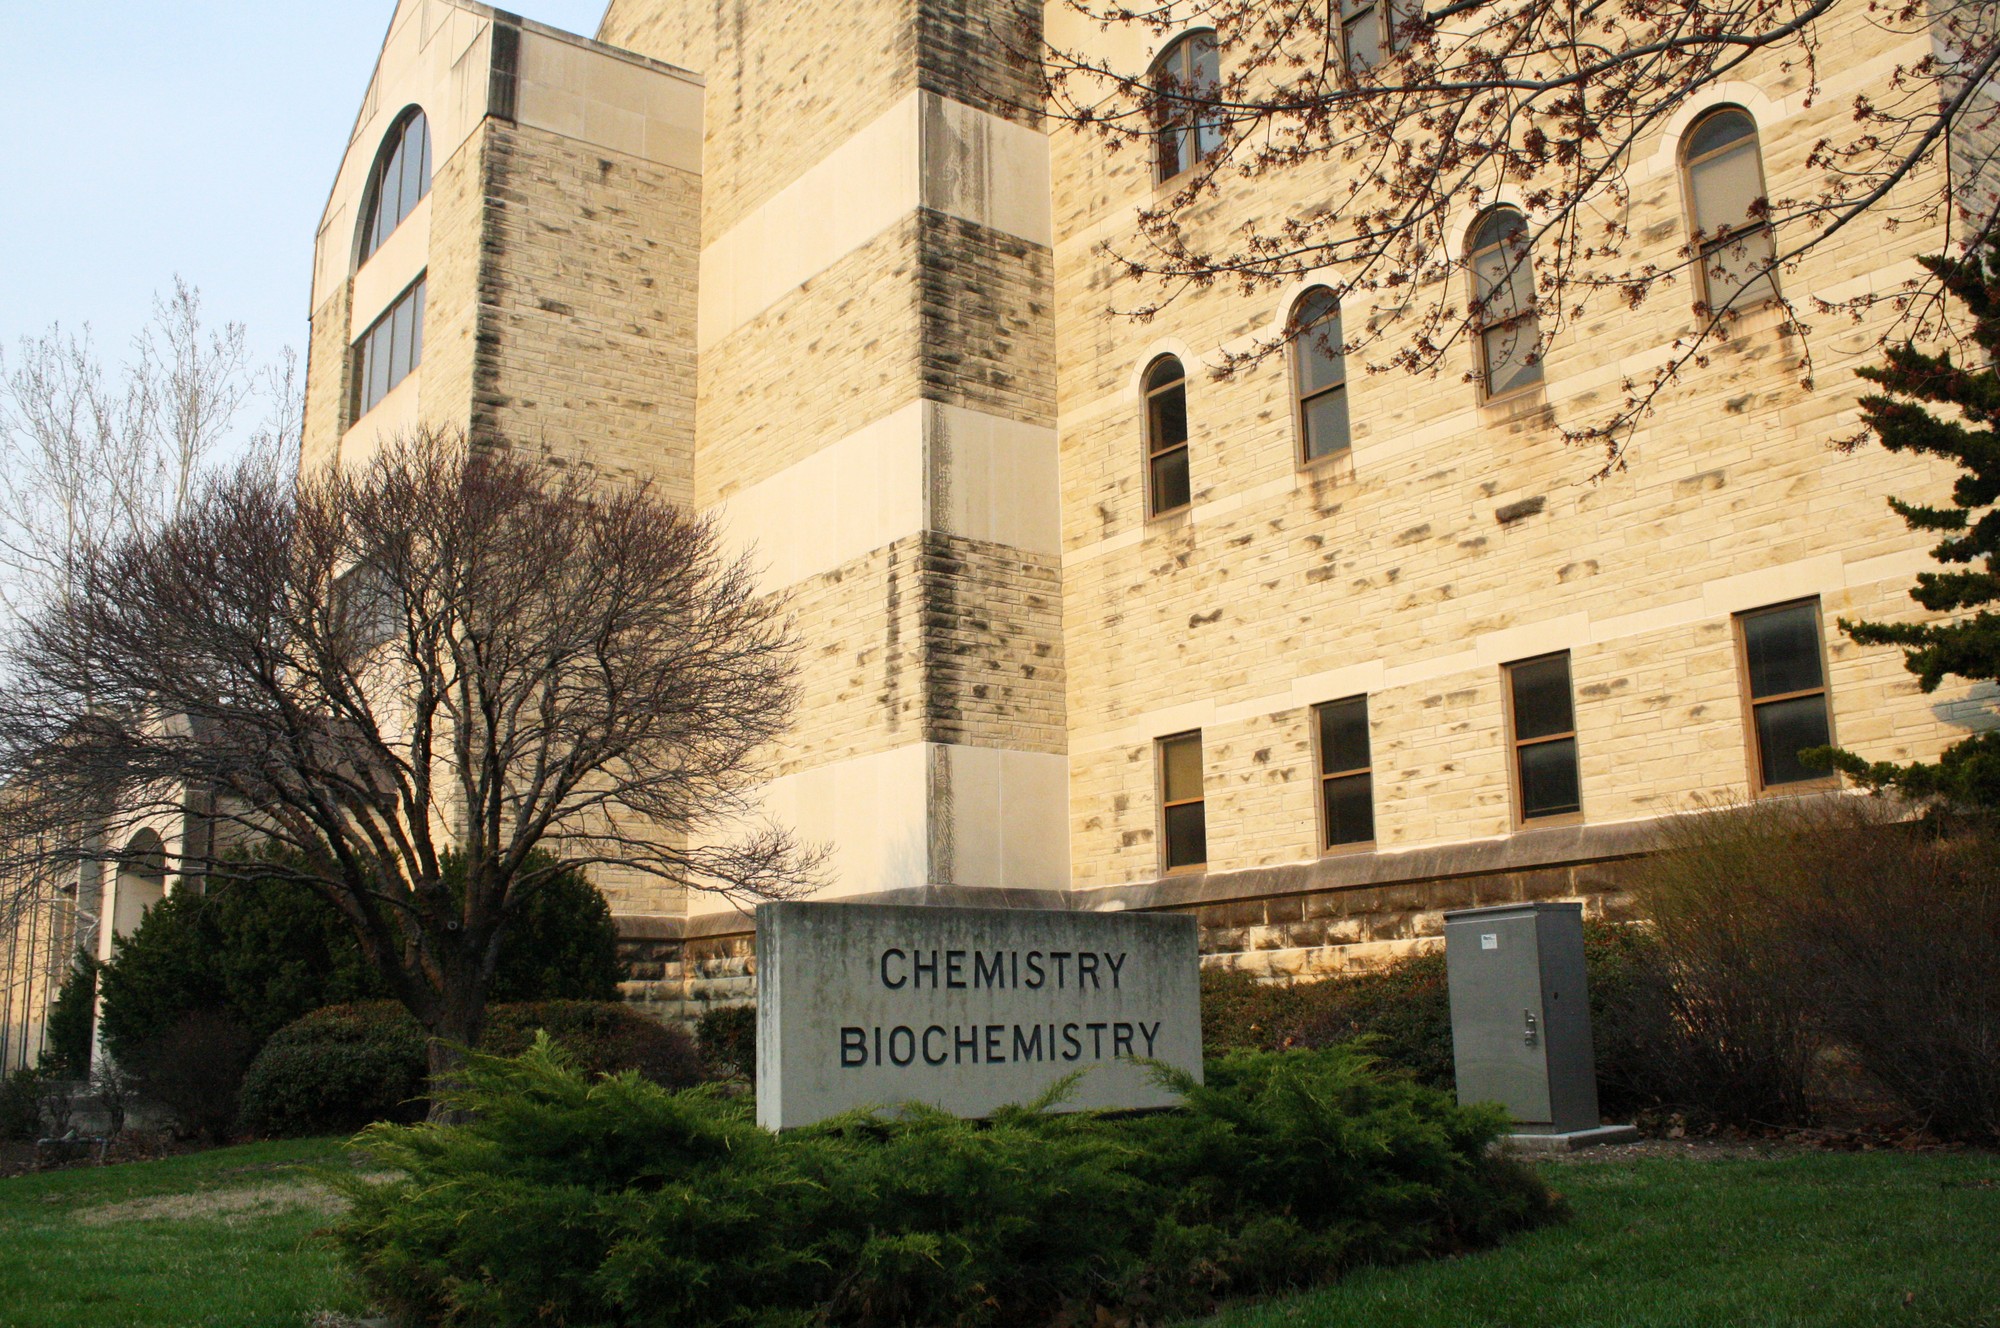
<point x="968" y="1009"/>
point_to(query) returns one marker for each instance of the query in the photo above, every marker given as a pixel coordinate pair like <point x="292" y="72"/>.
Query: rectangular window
<point x="1184" y="826"/>
<point x="1346" y="780"/>
<point x="389" y="351"/>
<point x="1786" y="677"/>
<point x="1543" y="716"/>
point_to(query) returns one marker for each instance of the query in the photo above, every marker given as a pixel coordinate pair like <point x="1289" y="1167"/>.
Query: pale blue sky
<point x="192" y="136"/>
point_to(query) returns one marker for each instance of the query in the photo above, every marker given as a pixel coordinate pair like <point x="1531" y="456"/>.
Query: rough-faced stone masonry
<point x="845" y="289"/>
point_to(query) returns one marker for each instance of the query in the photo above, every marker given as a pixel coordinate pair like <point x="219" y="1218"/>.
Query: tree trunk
<point x="457" y="1029"/>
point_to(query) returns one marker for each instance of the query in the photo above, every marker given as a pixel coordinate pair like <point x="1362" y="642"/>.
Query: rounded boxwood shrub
<point x="339" y="1069"/>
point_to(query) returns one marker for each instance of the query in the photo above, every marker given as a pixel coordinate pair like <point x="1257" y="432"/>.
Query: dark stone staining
<point x="1708" y="481"/>
<point x="984" y="53"/>
<point x="1204" y="619"/>
<point x="1576" y="571"/>
<point x="1520" y="511"/>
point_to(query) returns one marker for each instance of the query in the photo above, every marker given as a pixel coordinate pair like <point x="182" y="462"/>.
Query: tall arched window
<point x="1319" y="374"/>
<point x="1167" y="486"/>
<point x="1503" y="302"/>
<point x="401" y="178"/>
<point x="1726" y="199"/>
<point x="1184" y="81"/>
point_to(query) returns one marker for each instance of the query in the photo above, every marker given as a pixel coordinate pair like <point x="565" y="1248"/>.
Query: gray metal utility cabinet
<point x="1520" y="1014"/>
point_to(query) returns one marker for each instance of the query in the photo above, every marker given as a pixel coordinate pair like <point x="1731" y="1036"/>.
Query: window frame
<point x="1325" y="777"/>
<point x="366" y="245"/>
<point x="415" y="296"/>
<point x="1187" y="123"/>
<point x="1301" y="399"/>
<point x="1160" y="745"/>
<point x="1522" y="821"/>
<point x="1153" y="452"/>
<point x="1531" y="316"/>
<point x="1753" y="747"/>
<point x="1384" y="17"/>
<point x="1704" y="247"/>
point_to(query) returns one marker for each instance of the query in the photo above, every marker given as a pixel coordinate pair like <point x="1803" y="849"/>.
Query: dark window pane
<point x="1318" y="355"/>
<point x="1786" y="728"/>
<point x="1173" y="141"/>
<point x="1343" y="736"/>
<point x="1170" y="481"/>
<point x="417" y="340"/>
<point x="1187" y="836"/>
<point x="1207" y="138"/>
<point x="1499" y="224"/>
<point x="1718" y="129"/>
<point x="1541" y="698"/>
<point x="1350" y="810"/>
<point x="1169" y="424"/>
<point x="1548" y="779"/>
<point x="1783" y="650"/>
<point x="1510" y="351"/>
<point x="1180" y="768"/>
<point x="399" y="346"/>
<point x="1326" y="424"/>
<point x="1204" y="64"/>
<point x="389" y="209"/>
<point x="1163" y="371"/>
<point x="378" y="364"/>
<point x="1737" y="272"/>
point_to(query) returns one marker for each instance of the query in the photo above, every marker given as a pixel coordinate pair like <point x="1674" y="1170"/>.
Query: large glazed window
<point x="1543" y="717"/>
<point x="1503" y="302"/>
<point x="1319" y="375"/>
<point x="1184" y="822"/>
<point x="1725" y="187"/>
<point x="390" y="350"/>
<point x="401" y="178"/>
<point x="1168" y="488"/>
<point x="1786" y="679"/>
<point x="1185" y="80"/>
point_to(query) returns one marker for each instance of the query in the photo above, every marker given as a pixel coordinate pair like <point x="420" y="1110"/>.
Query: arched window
<point x="1726" y="197"/>
<point x="1503" y="302"/>
<point x="1167" y="487"/>
<point x="1185" y="80"/>
<point x="401" y="178"/>
<point x="1319" y="374"/>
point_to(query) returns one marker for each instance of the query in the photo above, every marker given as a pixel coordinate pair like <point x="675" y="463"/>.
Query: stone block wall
<point x="587" y="304"/>
<point x="1459" y="536"/>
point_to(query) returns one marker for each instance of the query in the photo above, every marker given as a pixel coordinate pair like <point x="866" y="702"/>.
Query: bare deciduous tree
<point x="91" y="455"/>
<point x="436" y="652"/>
<point x="1428" y="111"/>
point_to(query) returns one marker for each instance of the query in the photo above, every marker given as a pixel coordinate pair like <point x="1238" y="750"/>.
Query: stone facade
<point x="845" y="289"/>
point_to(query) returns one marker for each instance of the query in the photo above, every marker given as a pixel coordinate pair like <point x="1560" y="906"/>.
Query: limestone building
<point x="1314" y="655"/>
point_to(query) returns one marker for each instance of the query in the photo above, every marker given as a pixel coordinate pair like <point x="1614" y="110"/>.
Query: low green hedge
<point x="347" y="1066"/>
<point x="568" y="1200"/>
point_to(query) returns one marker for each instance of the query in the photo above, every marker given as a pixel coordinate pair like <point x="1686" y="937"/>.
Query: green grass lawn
<point x="228" y="1238"/>
<point x="223" y="1238"/>
<point x="1821" y="1239"/>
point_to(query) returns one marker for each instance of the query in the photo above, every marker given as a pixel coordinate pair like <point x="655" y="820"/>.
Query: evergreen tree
<point x="1965" y="643"/>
